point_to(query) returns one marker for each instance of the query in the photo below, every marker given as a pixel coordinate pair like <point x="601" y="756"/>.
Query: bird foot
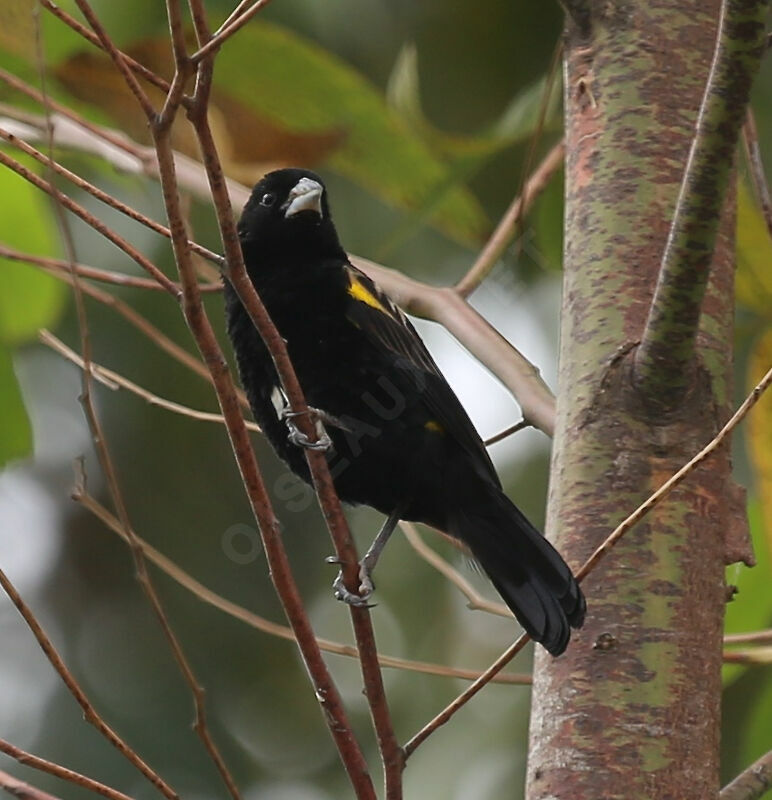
<point x="298" y="438"/>
<point x="366" y="586"/>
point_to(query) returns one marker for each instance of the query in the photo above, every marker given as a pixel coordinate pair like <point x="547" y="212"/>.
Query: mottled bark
<point x="632" y="709"/>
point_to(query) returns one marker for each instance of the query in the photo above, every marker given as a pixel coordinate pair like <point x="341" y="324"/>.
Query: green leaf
<point x="299" y="85"/>
<point x="516" y="123"/>
<point x="29" y="299"/>
<point x="15" y="429"/>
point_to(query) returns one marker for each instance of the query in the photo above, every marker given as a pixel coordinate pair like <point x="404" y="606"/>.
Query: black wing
<point x="374" y="313"/>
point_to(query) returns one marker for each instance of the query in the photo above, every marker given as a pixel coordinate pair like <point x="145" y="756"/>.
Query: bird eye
<point x="268" y="199"/>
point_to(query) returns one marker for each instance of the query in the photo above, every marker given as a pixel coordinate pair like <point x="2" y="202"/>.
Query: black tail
<point x="525" y="568"/>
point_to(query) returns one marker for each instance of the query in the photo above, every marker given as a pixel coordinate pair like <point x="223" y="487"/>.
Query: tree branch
<point x="234" y="23"/>
<point x="30" y="760"/>
<point x="22" y="790"/>
<point x="508" y="226"/>
<point x="89" y="711"/>
<point x="756" y="167"/>
<point x="104" y="197"/>
<point x="752" y="783"/>
<point x="206" y="595"/>
<point x="484" y="342"/>
<point x="91" y="220"/>
<point x="665" y="363"/>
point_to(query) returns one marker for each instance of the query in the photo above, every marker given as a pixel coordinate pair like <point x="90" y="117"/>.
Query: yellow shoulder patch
<point x="361" y="293"/>
<point x="434" y="426"/>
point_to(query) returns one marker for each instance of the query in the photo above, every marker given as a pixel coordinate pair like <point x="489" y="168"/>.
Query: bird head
<point x="288" y="212"/>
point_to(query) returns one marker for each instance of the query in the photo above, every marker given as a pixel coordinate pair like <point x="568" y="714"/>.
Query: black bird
<point x="394" y="433"/>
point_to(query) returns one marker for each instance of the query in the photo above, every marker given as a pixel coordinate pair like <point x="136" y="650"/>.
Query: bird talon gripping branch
<point x="350" y="598"/>
<point x="394" y="433"/>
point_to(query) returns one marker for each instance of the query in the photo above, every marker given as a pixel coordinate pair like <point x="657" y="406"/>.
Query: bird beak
<point x="306" y="195"/>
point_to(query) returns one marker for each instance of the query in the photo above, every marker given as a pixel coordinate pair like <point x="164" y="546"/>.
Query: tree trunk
<point x="632" y="710"/>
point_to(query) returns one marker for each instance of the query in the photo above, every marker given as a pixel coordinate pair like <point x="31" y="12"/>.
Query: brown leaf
<point x="249" y="145"/>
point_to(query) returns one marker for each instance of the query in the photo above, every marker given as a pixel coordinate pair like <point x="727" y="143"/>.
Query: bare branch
<point x="756" y="167"/>
<point x="483" y="341"/>
<point x="22" y="790"/>
<point x="264" y="625"/>
<point x="751" y="784"/>
<point x="91" y="220"/>
<point x="101" y="444"/>
<point x="337" y="525"/>
<point x="113" y="380"/>
<point x="507" y="228"/>
<point x="83" y="31"/>
<point x="89" y="711"/>
<point x="758" y="655"/>
<point x="325" y="690"/>
<point x="234" y="23"/>
<point x="665" y="363"/>
<point x="757" y="637"/>
<point x="118" y="58"/>
<point x="476" y="601"/>
<point x="58" y="771"/>
<point x="92" y="273"/>
<point x="104" y="197"/>
<point x="518" y="426"/>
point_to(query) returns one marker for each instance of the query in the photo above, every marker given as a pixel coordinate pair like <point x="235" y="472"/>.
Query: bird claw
<point x="366" y="587"/>
<point x="298" y="438"/>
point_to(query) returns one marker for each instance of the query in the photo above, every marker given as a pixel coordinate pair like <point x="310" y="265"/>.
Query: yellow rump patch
<point x="360" y="292"/>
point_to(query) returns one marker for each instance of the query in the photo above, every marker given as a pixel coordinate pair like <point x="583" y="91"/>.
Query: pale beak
<point x="306" y="195"/>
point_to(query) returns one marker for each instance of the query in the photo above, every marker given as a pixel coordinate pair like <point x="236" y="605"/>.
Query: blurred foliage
<point x="421" y="117"/>
<point x="29" y="299"/>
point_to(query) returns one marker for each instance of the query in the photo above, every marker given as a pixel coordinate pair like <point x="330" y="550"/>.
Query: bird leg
<point x="366" y="565"/>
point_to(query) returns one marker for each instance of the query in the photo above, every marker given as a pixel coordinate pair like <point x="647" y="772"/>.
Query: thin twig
<point x="756" y="637"/>
<point x="114" y="380"/>
<point x="104" y="197"/>
<point x="665" y="362"/>
<point x="518" y="426"/>
<point x="105" y="457"/>
<point x="206" y="595"/>
<point x="752" y="782"/>
<point x="91" y="220"/>
<point x="227" y="30"/>
<point x="114" y="138"/>
<point x="89" y="712"/>
<point x="92" y="273"/>
<point x="475" y="600"/>
<point x="758" y="655"/>
<point x="756" y="167"/>
<point x="507" y="228"/>
<point x="22" y="790"/>
<point x="119" y="59"/>
<point x="595" y="558"/>
<point x="59" y="205"/>
<point x="145" y="327"/>
<point x="30" y="760"/>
